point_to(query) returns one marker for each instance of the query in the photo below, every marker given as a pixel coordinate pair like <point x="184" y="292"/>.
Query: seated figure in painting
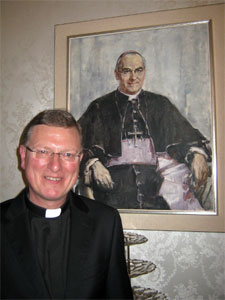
<point x="140" y="152"/>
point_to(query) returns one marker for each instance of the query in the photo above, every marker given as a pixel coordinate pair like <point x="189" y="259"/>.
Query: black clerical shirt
<point x="51" y="241"/>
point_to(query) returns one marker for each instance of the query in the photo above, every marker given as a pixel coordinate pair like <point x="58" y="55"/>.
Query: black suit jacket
<point x="96" y="267"/>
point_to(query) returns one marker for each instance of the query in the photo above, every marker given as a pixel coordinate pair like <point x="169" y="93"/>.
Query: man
<point x="131" y="136"/>
<point x="55" y="244"/>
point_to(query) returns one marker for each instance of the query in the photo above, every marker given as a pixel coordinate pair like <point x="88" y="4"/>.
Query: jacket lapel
<point x="80" y="234"/>
<point x="18" y="226"/>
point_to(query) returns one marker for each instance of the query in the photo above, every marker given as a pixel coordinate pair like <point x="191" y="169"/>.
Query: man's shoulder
<point x="154" y="96"/>
<point x="7" y="203"/>
<point x="91" y="206"/>
<point x="103" y="100"/>
<point x="4" y="206"/>
<point x="103" y="103"/>
<point x="13" y="206"/>
<point x="105" y="97"/>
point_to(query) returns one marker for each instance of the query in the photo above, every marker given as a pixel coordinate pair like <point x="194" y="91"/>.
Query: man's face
<point x="50" y="179"/>
<point x="131" y="74"/>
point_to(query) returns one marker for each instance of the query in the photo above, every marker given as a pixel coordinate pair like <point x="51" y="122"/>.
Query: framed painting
<point x="146" y="162"/>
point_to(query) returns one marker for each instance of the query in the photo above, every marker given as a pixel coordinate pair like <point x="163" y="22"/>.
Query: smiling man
<point x="54" y="243"/>
<point x="51" y="160"/>
<point x="130" y="73"/>
<point x="131" y="136"/>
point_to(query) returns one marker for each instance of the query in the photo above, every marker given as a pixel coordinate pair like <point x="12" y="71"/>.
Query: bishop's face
<point x="130" y="74"/>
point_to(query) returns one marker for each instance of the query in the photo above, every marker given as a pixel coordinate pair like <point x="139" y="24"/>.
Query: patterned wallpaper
<point x="188" y="265"/>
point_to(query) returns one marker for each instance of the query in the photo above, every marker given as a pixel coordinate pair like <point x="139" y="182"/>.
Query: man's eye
<point x="67" y="154"/>
<point x="125" y="71"/>
<point x="42" y="151"/>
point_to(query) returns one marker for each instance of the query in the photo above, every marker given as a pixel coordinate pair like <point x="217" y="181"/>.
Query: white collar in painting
<point x="130" y="97"/>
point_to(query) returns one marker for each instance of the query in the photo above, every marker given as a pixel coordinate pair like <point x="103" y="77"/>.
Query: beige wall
<point x="188" y="264"/>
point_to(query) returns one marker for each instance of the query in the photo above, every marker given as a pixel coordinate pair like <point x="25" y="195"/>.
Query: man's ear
<point x="116" y="74"/>
<point x="22" y="151"/>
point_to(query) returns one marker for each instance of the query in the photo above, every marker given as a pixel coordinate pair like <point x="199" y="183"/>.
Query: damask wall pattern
<point x="188" y="265"/>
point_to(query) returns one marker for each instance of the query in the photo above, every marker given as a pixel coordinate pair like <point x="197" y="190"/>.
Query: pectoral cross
<point x="135" y="134"/>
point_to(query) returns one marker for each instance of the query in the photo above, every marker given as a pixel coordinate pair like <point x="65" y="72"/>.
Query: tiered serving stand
<point x="138" y="267"/>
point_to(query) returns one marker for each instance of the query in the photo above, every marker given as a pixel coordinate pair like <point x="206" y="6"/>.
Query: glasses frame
<point x="51" y="154"/>
<point x="127" y="71"/>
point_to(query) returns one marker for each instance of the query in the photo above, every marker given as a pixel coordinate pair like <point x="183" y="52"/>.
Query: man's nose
<point x="54" y="162"/>
<point x="133" y="74"/>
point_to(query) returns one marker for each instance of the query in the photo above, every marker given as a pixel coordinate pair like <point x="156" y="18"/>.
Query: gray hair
<point x="129" y="52"/>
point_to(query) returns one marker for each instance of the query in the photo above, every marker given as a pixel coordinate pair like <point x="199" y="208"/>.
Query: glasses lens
<point x="67" y="156"/>
<point x="43" y="154"/>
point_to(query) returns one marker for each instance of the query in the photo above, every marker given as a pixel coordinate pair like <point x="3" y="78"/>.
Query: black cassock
<point x="105" y="126"/>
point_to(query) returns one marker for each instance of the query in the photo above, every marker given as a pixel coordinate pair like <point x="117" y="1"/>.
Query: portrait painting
<point x="177" y="67"/>
<point x="147" y="91"/>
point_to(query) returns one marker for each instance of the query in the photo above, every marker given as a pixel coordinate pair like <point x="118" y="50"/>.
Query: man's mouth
<point x="53" y="178"/>
<point x="133" y="83"/>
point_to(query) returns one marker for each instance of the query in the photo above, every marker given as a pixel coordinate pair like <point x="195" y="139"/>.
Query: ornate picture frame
<point x="206" y="23"/>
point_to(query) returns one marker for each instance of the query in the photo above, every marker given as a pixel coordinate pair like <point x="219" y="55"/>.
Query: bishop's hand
<point x="101" y="176"/>
<point x="200" y="170"/>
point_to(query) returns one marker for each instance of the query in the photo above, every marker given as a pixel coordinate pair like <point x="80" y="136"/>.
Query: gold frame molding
<point x="214" y="13"/>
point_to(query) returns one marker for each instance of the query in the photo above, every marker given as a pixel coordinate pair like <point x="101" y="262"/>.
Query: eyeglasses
<point x="46" y="154"/>
<point x="126" y="71"/>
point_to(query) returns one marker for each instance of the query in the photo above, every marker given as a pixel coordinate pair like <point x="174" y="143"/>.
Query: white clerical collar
<point x="46" y="212"/>
<point x="130" y="97"/>
<point x="53" y="213"/>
